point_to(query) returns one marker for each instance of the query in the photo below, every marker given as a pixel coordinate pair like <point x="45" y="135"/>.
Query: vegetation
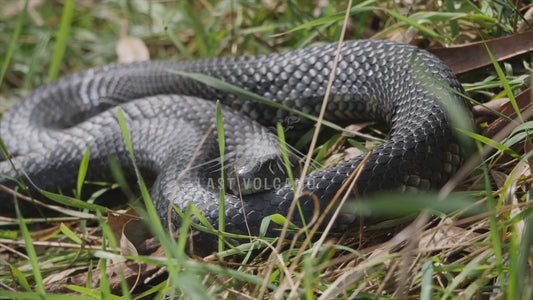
<point x="463" y="254"/>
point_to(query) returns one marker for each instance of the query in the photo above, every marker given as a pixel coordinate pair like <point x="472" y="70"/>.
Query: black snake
<point x="48" y="132"/>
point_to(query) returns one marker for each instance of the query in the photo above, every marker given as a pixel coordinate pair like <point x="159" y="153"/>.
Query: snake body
<point x="48" y="132"/>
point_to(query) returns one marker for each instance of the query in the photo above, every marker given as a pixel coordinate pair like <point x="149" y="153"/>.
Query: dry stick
<point x="310" y="153"/>
<point x="242" y="203"/>
<point x="14" y="251"/>
<point x="197" y="152"/>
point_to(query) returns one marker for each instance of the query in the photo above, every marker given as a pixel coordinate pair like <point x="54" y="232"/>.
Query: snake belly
<point x="48" y="132"/>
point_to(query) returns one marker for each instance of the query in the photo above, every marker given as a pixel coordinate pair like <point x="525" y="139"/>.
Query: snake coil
<point x="48" y="132"/>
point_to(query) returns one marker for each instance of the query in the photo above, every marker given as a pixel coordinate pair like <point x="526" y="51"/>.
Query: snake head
<point x="262" y="174"/>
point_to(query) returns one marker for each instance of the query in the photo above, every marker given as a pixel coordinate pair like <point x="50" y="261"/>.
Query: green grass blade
<point x="427" y="280"/>
<point x="61" y="45"/>
<point x="512" y="285"/>
<point x="468" y="269"/>
<point x="70" y="234"/>
<point x="14" y="40"/>
<point x="505" y="83"/>
<point x="150" y="208"/>
<point x="105" y="287"/>
<point x="5" y="152"/>
<point x="222" y="203"/>
<point x="518" y="283"/>
<point x="83" y="171"/>
<point x="233" y="89"/>
<point x="363" y="9"/>
<point x="493" y="221"/>
<point x="30" y="250"/>
<point x="412" y="23"/>
<point x="34" y="296"/>
<point x="91" y="293"/>
<point x="74" y="202"/>
<point x="491" y="142"/>
<point x="198" y="214"/>
<point x="285" y="151"/>
<point x="217" y="269"/>
<point x="156" y="289"/>
<point x="185" y="227"/>
<point x="154" y="223"/>
<point x="322" y="21"/>
<point x="21" y="278"/>
<point x="288" y="167"/>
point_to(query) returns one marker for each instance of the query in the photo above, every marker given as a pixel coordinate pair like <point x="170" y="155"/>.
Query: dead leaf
<point x="499" y="178"/>
<point x="131" y="49"/>
<point x="357" y="127"/>
<point x="136" y="233"/>
<point x="117" y="222"/>
<point x="352" y="152"/>
<point x="61" y="275"/>
<point x="126" y="247"/>
<point x="131" y="232"/>
<point x="467" y="57"/>
<point x="446" y="237"/>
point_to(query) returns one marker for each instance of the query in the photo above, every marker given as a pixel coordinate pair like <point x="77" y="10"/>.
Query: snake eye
<point x="264" y="174"/>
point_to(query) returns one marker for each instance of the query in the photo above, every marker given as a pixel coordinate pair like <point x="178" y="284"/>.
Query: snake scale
<point x="407" y="88"/>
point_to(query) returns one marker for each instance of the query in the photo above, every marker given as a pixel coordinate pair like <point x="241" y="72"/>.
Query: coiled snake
<point x="48" y="132"/>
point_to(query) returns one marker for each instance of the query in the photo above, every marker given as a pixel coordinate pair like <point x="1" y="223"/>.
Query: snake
<point x="169" y="117"/>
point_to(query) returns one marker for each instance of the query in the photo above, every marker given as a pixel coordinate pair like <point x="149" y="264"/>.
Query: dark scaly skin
<point x="49" y="131"/>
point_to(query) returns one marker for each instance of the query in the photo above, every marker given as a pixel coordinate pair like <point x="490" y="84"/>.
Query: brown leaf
<point x="467" y="57"/>
<point x="117" y="222"/>
<point x="136" y="232"/>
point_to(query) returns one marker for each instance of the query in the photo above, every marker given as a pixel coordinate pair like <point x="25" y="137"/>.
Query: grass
<point x="468" y="254"/>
